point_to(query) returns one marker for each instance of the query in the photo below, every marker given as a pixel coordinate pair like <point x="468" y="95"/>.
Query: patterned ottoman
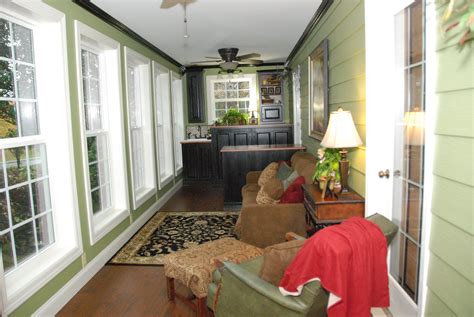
<point x="193" y="267"/>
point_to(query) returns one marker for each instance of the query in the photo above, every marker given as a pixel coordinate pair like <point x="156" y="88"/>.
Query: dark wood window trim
<point x="101" y="14"/>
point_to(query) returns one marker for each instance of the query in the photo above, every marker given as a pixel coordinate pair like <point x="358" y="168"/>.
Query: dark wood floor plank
<point x="126" y="290"/>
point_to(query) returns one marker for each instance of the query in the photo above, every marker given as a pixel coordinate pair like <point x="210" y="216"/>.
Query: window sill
<point x="178" y="171"/>
<point x="142" y="196"/>
<point x="105" y="221"/>
<point x="32" y="275"/>
<point x="165" y="180"/>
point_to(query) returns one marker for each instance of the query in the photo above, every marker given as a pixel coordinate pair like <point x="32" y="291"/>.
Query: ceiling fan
<point x="166" y="4"/>
<point x="229" y="59"/>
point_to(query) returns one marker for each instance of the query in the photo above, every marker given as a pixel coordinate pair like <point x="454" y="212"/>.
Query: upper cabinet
<point x="195" y="91"/>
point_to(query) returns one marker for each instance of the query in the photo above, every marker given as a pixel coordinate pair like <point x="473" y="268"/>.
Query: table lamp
<point x="341" y="134"/>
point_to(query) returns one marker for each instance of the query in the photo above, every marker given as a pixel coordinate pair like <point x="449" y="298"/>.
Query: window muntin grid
<point x="229" y="94"/>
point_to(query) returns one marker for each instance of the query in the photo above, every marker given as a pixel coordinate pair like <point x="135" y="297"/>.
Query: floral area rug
<point x="168" y="232"/>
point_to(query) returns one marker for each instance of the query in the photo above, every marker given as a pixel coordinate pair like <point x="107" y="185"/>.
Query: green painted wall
<point x="247" y="70"/>
<point x="343" y="25"/>
<point x="451" y="270"/>
<point x="74" y="12"/>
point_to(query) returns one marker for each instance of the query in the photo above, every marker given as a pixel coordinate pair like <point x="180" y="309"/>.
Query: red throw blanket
<point x="350" y="261"/>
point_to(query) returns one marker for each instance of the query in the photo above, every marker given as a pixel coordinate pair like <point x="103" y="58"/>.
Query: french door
<point x="396" y="145"/>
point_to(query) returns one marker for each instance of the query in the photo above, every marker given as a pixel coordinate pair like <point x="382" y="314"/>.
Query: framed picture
<point x="278" y="90"/>
<point x="264" y="90"/>
<point x="318" y="90"/>
<point x="271" y="91"/>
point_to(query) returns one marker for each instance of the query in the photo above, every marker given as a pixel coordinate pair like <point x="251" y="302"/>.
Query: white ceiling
<point x="268" y="27"/>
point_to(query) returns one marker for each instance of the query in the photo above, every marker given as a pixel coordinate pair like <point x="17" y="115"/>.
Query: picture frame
<point x="318" y="80"/>
<point x="278" y="90"/>
<point x="271" y="91"/>
<point x="264" y="90"/>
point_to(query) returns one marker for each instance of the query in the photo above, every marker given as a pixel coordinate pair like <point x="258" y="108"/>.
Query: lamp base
<point x="344" y="170"/>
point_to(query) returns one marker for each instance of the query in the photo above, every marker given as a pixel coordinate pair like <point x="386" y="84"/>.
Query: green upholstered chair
<point x="243" y="293"/>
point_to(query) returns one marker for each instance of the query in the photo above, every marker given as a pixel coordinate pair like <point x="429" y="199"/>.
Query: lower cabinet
<point x="197" y="162"/>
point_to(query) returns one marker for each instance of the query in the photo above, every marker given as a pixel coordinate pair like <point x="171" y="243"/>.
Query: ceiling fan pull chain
<point x="186" y="35"/>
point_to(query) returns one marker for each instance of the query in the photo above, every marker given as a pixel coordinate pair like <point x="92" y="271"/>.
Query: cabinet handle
<point x="385" y="174"/>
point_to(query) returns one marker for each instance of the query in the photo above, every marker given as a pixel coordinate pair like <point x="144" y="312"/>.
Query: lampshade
<point x="341" y="131"/>
<point x="415" y="127"/>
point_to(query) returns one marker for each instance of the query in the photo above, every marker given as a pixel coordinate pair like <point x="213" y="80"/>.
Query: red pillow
<point x="294" y="193"/>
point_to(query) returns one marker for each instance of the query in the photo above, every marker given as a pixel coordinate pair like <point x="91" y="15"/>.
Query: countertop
<point x="250" y="126"/>
<point x="190" y="141"/>
<point x="265" y="147"/>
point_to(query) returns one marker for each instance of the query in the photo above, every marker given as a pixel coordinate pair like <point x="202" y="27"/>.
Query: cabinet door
<point x="195" y="97"/>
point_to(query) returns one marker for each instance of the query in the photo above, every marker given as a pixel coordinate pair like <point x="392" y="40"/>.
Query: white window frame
<point x="103" y="222"/>
<point x="178" y="120"/>
<point x="141" y="66"/>
<point x="164" y="130"/>
<point x="211" y="80"/>
<point x="49" y="29"/>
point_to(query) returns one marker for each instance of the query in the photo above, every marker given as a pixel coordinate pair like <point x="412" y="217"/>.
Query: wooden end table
<point x="330" y="210"/>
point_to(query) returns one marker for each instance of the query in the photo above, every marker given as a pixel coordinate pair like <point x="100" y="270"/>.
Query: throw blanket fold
<point x="350" y="261"/>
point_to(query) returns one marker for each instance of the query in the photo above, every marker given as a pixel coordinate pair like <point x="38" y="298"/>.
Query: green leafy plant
<point x="234" y="117"/>
<point x="327" y="165"/>
<point x="458" y="20"/>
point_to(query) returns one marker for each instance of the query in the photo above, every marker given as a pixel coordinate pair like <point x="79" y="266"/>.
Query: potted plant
<point x="327" y="172"/>
<point x="234" y="117"/>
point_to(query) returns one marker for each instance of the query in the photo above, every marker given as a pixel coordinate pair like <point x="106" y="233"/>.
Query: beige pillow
<point x="276" y="259"/>
<point x="264" y="199"/>
<point x="274" y="188"/>
<point x="268" y="173"/>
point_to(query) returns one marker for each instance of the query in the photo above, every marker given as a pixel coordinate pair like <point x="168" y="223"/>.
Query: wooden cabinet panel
<point x="197" y="163"/>
<point x="195" y="90"/>
<point x="282" y="137"/>
<point x="263" y="138"/>
<point x="241" y="138"/>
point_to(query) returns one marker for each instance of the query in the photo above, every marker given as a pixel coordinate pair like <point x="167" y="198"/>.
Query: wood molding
<point x="323" y="7"/>
<point x="107" y="18"/>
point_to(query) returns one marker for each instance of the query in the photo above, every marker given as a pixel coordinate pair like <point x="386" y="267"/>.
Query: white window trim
<point x="137" y="60"/>
<point x="210" y="80"/>
<point x="53" y="86"/>
<point x="177" y="138"/>
<point x="103" y="222"/>
<point x="162" y="182"/>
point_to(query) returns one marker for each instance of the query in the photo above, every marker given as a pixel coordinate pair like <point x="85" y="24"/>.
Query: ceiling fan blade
<point x="166" y="4"/>
<point x="251" y="61"/>
<point x="206" y="62"/>
<point x="216" y="58"/>
<point x="246" y="56"/>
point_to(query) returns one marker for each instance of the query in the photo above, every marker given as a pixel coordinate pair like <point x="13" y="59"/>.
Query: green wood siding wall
<point x="451" y="272"/>
<point x="74" y="12"/>
<point x="343" y="25"/>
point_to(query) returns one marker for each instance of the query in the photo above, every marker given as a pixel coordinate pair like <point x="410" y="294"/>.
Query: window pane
<point x="37" y="160"/>
<point x="411" y="270"/>
<point x="20" y="204"/>
<point x="23" y="43"/>
<point x="92" y="149"/>
<point x="220" y="105"/>
<point x="244" y="94"/>
<point x="2" y="174"/>
<point x="231" y="86"/>
<point x="8" y="120"/>
<point x="94" y="91"/>
<point x="416" y="32"/>
<point x="93" y="63"/>
<point x="24" y="241"/>
<point x="3" y="211"/>
<point x="219" y="94"/>
<point x="7" y="88"/>
<point x="102" y="151"/>
<point x="41" y="199"/>
<point x="25" y="78"/>
<point x="95" y="195"/>
<point x="94" y="175"/>
<point x="412" y="222"/>
<point x="16" y="165"/>
<point x="44" y="231"/>
<point x="416" y="88"/>
<point x="7" y="251"/>
<point x="5" y="39"/>
<point x="231" y="94"/>
<point x="244" y="85"/>
<point x="232" y="104"/>
<point x="219" y="86"/>
<point x="105" y="194"/>
<point x="29" y="118"/>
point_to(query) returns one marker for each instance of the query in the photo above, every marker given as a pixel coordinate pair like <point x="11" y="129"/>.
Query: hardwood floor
<point x="126" y="290"/>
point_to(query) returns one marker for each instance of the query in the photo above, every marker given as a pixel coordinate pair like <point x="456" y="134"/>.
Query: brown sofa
<point x="265" y="225"/>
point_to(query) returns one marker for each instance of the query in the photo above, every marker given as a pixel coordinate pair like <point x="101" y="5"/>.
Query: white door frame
<point x="297" y="105"/>
<point x="381" y="102"/>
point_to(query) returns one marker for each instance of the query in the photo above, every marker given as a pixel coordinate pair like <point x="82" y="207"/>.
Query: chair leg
<point x="201" y="307"/>
<point x="170" y="288"/>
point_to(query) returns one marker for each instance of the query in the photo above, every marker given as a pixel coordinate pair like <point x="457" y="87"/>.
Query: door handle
<point x="385" y="174"/>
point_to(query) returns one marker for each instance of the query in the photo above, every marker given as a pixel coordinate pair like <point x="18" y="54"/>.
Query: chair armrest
<point x="265" y="225"/>
<point x="290" y="236"/>
<point x="252" y="177"/>
<point x="237" y="278"/>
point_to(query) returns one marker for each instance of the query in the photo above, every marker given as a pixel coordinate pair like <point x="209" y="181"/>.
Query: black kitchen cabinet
<point x="195" y="91"/>
<point x="197" y="162"/>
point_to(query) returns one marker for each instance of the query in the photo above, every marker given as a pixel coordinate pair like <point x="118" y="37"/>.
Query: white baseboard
<point x="67" y="292"/>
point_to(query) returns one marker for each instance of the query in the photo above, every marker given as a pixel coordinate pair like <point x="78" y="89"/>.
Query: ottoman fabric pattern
<point x="193" y="267"/>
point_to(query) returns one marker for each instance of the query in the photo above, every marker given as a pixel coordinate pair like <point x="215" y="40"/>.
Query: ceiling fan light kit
<point x="229" y="61"/>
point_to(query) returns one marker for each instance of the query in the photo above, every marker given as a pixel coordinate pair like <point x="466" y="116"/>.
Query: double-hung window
<point x="140" y="126"/>
<point x="38" y="212"/>
<point x="98" y="60"/>
<point x="178" y="120"/>
<point x="164" y="133"/>
<point x="224" y="94"/>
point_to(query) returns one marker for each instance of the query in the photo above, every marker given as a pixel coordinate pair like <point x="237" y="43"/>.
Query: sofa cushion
<point x="269" y="172"/>
<point x="284" y="171"/>
<point x="289" y="180"/>
<point x="276" y="258"/>
<point x="274" y="188"/>
<point x="250" y="197"/>
<point x="294" y="193"/>
<point x="263" y="198"/>
<point x="249" y="188"/>
<point x="301" y="155"/>
<point x="306" y="169"/>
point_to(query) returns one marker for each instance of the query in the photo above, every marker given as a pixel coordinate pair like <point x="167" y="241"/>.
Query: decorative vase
<point x="323" y="185"/>
<point x="337" y="188"/>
